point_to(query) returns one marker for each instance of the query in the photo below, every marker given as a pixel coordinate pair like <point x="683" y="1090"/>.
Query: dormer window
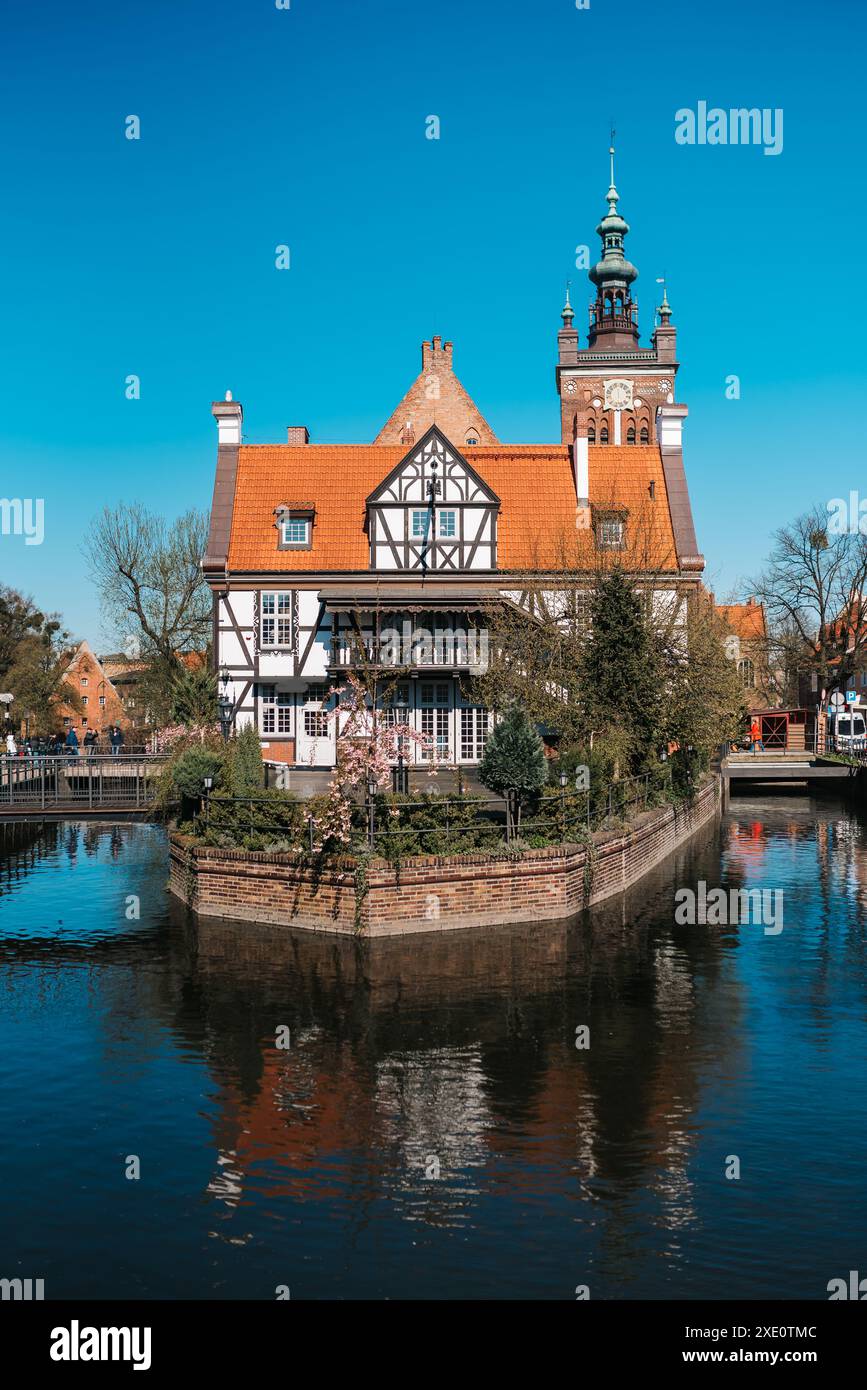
<point x="294" y="527"/>
<point x="610" y="530"/>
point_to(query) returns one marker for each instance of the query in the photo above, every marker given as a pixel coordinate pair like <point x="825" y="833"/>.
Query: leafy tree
<point x="194" y="697"/>
<point x="704" y="704"/>
<point x="621" y="672"/>
<point x="37" y="679"/>
<point x="514" y="763"/>
<point x="248" y="771"/>
<point x="19" y="621"/>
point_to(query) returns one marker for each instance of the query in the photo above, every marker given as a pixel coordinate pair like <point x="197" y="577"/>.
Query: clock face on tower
<point x="571" y="387"/>
<point x="618" y="395"/>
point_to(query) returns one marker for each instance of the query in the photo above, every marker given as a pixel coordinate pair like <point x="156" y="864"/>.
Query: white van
<point x="848" y="730"/>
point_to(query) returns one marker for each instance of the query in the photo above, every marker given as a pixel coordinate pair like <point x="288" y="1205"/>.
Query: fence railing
<point x="402" y="826"/>
<point x="813" y="745"/>
<point x="89" y="780"/>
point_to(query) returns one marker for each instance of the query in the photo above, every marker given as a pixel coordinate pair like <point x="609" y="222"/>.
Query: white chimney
<point x="581" y="472"/>
<point x="229" y="415"/>
<point x="669" y="426"/>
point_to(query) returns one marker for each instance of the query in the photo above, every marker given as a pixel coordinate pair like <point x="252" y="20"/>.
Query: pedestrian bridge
<point x="785" y="765"/>
<point x="81" y="785"/>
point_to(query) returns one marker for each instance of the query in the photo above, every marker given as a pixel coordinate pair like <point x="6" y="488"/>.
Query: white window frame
<point x="611" y="533"/>
<point x="451" y="514"/>
<point x="435" y="717"/>
<point x="275" y="711"/>
<point x="275" y="618"/>
<point x="315" y="723"/>
<point x="420" y="535"/>
<point x="290" y="523"/>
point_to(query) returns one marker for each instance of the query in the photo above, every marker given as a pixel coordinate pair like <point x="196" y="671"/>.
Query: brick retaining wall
<point x="430" y="893"/>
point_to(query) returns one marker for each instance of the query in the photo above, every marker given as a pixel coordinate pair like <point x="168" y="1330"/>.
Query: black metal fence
<point x="79" y="780"/>
<point x="399" y="827"/>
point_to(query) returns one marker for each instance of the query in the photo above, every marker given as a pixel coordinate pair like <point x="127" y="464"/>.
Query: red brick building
<point x="102" y="705"/>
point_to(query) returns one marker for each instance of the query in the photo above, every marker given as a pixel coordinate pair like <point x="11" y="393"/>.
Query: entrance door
<point x="316" y="731"/>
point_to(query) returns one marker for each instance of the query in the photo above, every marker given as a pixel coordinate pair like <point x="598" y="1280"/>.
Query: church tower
<point x="613" y="388"/>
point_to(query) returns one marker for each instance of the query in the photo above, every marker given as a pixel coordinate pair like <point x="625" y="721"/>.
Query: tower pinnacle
<point x="613" y="314"/>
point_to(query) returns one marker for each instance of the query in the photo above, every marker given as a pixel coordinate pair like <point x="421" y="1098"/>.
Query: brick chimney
<point x="297" y="434"/>
<point x="229" y="415"/>
<point x="436" y="354"/>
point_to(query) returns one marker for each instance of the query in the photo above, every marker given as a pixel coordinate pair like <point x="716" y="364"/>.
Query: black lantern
<point x="225" y="705"/>
<point x="208" y="784"/>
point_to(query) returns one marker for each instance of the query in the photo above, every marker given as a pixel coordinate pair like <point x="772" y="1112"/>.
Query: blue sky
<point x="306" y="127"/>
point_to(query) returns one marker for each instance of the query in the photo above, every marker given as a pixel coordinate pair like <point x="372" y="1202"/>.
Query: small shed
<point x="791" y="729"/>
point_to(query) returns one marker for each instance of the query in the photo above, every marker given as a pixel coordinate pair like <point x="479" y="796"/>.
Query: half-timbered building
<point x="325" y="556"/>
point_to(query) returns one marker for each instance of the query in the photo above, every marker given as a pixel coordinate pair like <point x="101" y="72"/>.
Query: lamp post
<point x="207" y="783"/>
<point x="225" y="705"/>
<point x="400" y="775"/>
<point x="563" y="780"/>
<point x="371" y="809"/>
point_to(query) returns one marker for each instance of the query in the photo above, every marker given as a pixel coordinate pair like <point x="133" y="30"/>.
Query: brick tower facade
<point x="613" y="388"/>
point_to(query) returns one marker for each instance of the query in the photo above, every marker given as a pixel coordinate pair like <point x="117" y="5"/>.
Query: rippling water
<point x="432" y="1129"/>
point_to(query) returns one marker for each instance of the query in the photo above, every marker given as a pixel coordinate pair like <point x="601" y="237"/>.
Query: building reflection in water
<point x="432" y="1066"/>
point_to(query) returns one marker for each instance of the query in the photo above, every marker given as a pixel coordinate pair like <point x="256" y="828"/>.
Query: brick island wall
<point x="431" y="893"/>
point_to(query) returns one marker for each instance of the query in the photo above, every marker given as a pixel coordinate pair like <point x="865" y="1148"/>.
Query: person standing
<point x="116" y="739"/>
<point x="71" y="742"/>
<point x="11" y="749"/>
<point x="89" y="740"/>
<point x="756" y="735"/>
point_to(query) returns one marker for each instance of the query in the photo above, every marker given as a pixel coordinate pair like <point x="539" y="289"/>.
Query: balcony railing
<point x="439" y="651"/>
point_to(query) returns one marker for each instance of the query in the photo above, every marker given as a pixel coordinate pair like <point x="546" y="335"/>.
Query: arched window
<point x="471" y="437"/>
<point x="645" y="435"/>
<point x="630" y="435"/>
<point x="591" y="434"/>
<point x="618" y="303"/>
<point x="747" y="673"/>
<point x="603" y="435"/>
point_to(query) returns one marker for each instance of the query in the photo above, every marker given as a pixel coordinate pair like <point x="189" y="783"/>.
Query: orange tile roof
<point x="536" y="528"/>
<point x="746" y="620"/>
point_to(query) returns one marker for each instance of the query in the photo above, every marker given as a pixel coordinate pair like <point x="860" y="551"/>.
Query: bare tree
<point x="149" y="577"/>
<point x="813" y="591"/>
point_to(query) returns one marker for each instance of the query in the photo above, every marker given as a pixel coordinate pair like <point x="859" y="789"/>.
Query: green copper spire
<point x="612" y="316"/>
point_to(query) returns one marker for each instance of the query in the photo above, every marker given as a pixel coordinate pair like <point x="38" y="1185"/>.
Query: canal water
<point x="432" y="1129"/>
